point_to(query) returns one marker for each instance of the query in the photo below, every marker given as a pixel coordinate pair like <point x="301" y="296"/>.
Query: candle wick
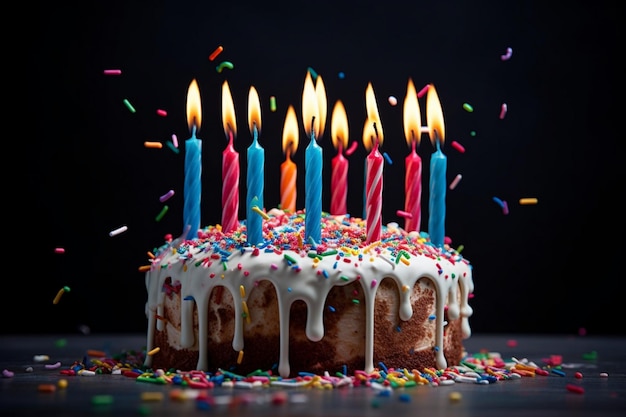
<point x="376" y="132"/>
<point x="229" y="133"/>
<point x="193" y="129"/>
<point x="255" y="131"/>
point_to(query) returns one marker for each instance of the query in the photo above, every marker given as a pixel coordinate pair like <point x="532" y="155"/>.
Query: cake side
<point x="399" y="302"/>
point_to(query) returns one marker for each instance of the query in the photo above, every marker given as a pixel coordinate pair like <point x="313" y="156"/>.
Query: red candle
<point x="339" y="174"/>
<point x="413" y="163"/>
<point x="288" y="169"/>
<point x="230" y="165"/>
<point x="413" y="190"/>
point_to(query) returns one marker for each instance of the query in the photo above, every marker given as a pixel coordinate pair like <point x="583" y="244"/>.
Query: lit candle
<point x="438" y="163"/>
<point x="413" y="163"/>
<point x="339" y="175"/>
<point x="288" y="170"/>
<point x="256" y="162"/>
<point x="312" y="163"/>
<point x="230" y="165"/>
<point x="372" y="139"/>
<point x="193" y="164"/>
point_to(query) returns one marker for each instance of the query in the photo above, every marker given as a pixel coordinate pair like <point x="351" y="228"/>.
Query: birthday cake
<point x="289" y="306"/>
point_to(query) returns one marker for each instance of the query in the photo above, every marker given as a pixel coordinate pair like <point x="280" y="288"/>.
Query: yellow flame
<point x="369" y="133"/>
<point x="194" y="106"/>
<point x="310" y="107"/>
<point x="434" y="117"/>
<point x="320" y="92"/>
<point x="339" y="126"/>
<point x="228" y="111"/>
<point x="254" y="111"/>
<point x="412" y="116"/>
<point x="290" y="131"/>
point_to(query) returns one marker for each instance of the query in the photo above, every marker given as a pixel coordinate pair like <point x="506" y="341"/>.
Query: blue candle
<point x="438" y="163"/>
<point x="313" y="190"/>
<point x="313" y="103"/>
<point x="193" y="165"/>
<point x="193" y="184"/>
<point x="437" y="203"/>
<point x="255" y="184"/>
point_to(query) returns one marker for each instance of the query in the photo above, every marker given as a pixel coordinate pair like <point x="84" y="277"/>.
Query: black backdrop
<point x="551" y="267"/>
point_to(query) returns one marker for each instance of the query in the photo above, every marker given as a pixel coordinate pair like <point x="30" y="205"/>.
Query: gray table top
<point x="600" y="360"/>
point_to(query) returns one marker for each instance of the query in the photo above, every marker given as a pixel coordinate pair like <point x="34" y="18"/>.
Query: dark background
<point x="554" y="267"/>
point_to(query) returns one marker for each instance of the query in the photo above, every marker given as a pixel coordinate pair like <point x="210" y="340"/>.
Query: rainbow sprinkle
<point x="483" y="368"/>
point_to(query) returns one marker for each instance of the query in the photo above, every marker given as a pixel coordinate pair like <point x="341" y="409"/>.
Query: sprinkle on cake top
<point x="341" y="235"/>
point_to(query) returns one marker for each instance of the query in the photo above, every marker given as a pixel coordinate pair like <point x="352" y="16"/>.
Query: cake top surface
<point x="283" y="231"/>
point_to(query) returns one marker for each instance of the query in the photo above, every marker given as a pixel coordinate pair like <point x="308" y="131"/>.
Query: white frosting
<point x="303" y="275"/>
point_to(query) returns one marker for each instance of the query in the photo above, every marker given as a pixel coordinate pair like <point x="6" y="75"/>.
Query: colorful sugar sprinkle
<point x="118" y="231"/>
<point x="216" y="52"/>
<point x="456" y="145"/>
<point x="225" y="64"/>
<point x="423" y="91"/>
<point x="455" y="181"/>
<point x="129" y="106"/>
<point x="528" y="201"/>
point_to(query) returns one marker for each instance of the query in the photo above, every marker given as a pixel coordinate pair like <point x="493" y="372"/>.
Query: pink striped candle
<point x="339" y="174"/>
<point x="374" y="199"/>
<point x="230" y="165"/>
<point x="230" y="186"/>
<point x="413" y="190"/>
<point x="413" y="163"/>
<point x="372" y="139"/>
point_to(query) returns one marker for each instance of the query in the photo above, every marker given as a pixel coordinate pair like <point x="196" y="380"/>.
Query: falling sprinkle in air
<point x="129" y="106"/>
<point x="118" y="231"/>
<point x="216" y="52"/>
<point x="225" y="64"/>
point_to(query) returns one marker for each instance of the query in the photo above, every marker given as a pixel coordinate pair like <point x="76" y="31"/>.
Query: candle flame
<point x="339" y="126"/>
<point x="434" y="117"/>
<point x="194" y="106"/>
<point x="310" y="107"/>
<point x="254" y="111"/>
<point x="412" y="116"/>
<point x="320" y="92"/>
<point x="370" y="134"/>
<point x="290" y="132"/>
<point x="228" y="111"/>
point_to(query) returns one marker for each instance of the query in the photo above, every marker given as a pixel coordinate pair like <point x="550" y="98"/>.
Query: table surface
<point x="542" y="395"/>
